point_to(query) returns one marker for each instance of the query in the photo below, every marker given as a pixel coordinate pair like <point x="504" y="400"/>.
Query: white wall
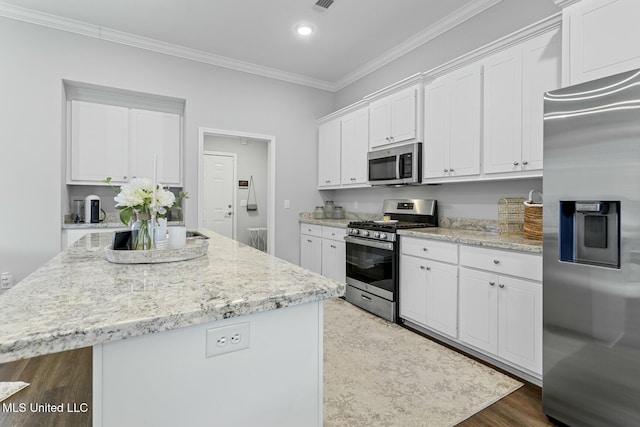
<point x="252" y="161"/>
<point x="490" y="25"/>
<point x="36" y="59"/>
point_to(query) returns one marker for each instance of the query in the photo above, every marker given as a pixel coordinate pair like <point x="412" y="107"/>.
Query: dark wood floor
<point x="59" y="378"/>
<point x="67" y="378"/>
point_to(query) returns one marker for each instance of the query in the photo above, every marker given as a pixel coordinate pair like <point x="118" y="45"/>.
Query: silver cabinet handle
<point x="364" y="297"/>
<point x="492" y="283"/>
<point x="524" y="162"/>
<point x="501" y="286"/>
<point x="515" y="163"/>
<point x="496" y="261"/>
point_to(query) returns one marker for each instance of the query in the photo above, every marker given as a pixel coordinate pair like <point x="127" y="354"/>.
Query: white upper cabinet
<point x="329" y="153"/>
<point x="120" y="142"/>
<point x="99" y="142"/>
<point x="355" y="144"/>
<point x="154" y="132"/>
<point x="394" y="118"/>
<point x="453" y="107"/>
<point x="514" y="83"/>
<point x="602" y="39"/>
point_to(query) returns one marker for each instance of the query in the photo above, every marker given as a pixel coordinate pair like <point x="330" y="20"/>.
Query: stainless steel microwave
<point x="396" y="166"/>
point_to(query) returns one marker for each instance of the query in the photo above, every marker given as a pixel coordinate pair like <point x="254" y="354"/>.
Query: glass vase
<point x="142" y="231"/>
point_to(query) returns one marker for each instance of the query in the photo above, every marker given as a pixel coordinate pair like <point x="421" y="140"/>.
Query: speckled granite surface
<point x="80" y="299"/>
<point x="307" y="218"/>
<point x="477" y="238"/>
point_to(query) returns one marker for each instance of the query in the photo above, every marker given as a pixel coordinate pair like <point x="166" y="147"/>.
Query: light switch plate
<point x="243" y="203"/>
<point x="287" y="204"/>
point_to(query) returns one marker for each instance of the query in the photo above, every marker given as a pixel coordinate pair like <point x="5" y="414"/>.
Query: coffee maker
<point x="92" y="209"/>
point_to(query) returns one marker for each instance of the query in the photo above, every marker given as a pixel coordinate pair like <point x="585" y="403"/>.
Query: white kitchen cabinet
<point x="500" y="314"/>
<point x="602" y="39"/>
<point x="329" y="153"/>
<point x="514" y="83"/>
<point x="453" y="111"/>
<point x="354" y="147"/>
<point x="155" y="132"/>
<point x="311" y="247"/>
<point x="334" y="253"/>
<point x="120" y="142"/>
<point x="394" y="118"/>
<point x="99" y="142"/>
<point x="429" y="287"/>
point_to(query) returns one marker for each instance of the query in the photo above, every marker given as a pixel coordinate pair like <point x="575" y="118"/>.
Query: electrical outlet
<point x="6" y="281"/>
<point x="226" y="339"/>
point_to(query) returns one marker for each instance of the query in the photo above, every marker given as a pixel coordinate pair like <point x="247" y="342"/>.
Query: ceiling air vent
<point x="322" y="5"/>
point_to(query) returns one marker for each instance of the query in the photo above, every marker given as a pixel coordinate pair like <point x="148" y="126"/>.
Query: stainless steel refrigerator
<point x="591" y="293"/>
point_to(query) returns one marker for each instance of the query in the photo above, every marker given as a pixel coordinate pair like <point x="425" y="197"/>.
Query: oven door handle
<point x="388" y="246"/>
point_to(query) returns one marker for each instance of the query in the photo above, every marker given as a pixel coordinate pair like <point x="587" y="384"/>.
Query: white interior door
<point x="219" y="207"/>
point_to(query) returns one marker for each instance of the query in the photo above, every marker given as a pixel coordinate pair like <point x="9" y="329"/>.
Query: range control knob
<point x="365" y="233"/>
<point x="383" y="236"/>
<point x="354" y="231"/>
<point x="376" y="235"/>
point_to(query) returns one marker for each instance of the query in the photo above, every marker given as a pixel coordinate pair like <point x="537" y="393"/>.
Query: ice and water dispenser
<point x="590" y="232"/>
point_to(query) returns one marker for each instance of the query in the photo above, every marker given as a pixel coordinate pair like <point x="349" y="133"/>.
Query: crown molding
<point x="95" y="31"/>
<point x="428" y="34"/>
<point x="565" y="3"/>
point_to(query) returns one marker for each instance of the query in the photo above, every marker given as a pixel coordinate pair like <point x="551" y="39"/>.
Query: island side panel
<point x="165" y="379"/>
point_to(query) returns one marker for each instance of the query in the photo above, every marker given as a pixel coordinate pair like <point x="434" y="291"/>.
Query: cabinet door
<point x="520" y="314"/>
<point x="465" y="127"/>
<point x="334" y="255"/>
<point x="379" y="123"/>
<point x="479" y="309"/>
<point x="540" y="73"/>
<point x="436" y="129"/>
<point x="603" y="38"/>
<point x="413" y="289"/>
<point x="99" y="142"/>
<point x="329" y="154"/>
<point x="503" y="111"/>
<point x="311" y="253"/>
<point x="355" y="144"/>
<point x="154" y="132"/>
<point x="442" y="297"/>
<point x="403" y="115"/>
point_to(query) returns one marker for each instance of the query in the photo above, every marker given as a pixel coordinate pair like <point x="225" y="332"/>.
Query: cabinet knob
<point x="524" y="162"/>
<point x="515" y="163"/>
<point x="496" y="261"/>
<point x="309" y="241"/>
<point x="388" y="139"/>
<point x="422" y="267"/>
<point x="446" y="170"/>
<point x="333" y="246"/>
<point x="501" y="286"/>
<point x="391" y="138"/>
<point x="451" y="170"/>
<point x="425" y="249"/>
<point x="492" y="283"/>
<point x="428" y="268"/>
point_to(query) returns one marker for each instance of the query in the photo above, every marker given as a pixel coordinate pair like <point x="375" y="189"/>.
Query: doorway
<point x="218" y="203"/>
<point x="239" y="167"/>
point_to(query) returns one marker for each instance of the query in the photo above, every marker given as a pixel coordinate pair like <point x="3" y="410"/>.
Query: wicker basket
<point x="533" y="217"/>
<point x="510" y="215"/>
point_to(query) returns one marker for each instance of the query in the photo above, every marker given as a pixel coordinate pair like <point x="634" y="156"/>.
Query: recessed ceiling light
<point x="304" y="29"/>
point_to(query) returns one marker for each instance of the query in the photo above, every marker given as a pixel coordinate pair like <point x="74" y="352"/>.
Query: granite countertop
<point x="79" y="299"/>
<point x="515" y="242"/>
<point x="342" y="223"/>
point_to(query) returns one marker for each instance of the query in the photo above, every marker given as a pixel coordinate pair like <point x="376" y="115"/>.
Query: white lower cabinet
<point x="311" y="247"/>
<point x="499" y="314"/>
<point x="429" y="288"/>
<point x="323" y="250"/>
<point x="488" y="300"/>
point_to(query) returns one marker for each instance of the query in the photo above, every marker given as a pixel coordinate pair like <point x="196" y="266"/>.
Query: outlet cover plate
<point x="227" y="339"/>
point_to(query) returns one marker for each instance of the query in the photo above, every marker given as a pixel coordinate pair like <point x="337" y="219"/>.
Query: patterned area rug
<point x="8" y="389"/>
<point x="378" y="374"/>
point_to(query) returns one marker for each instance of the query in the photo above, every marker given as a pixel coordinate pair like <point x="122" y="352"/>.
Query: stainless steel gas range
<point x="373" y="254"/>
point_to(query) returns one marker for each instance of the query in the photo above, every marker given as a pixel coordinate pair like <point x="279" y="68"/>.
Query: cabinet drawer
<point x="502" y="262"/>
<point x="311" y="229"/>
<point x="333" y="233"/>
<point x="425" y="248"/>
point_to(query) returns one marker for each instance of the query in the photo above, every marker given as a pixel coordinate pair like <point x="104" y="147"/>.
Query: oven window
<point x="372" y="266"/>
<point x="382" y="169"/>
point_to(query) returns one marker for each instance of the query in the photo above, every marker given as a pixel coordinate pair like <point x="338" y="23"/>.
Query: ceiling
<point x="352" y="37"/>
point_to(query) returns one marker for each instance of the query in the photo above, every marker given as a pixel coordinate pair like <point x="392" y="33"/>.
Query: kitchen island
<point x="157" y="331"/>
